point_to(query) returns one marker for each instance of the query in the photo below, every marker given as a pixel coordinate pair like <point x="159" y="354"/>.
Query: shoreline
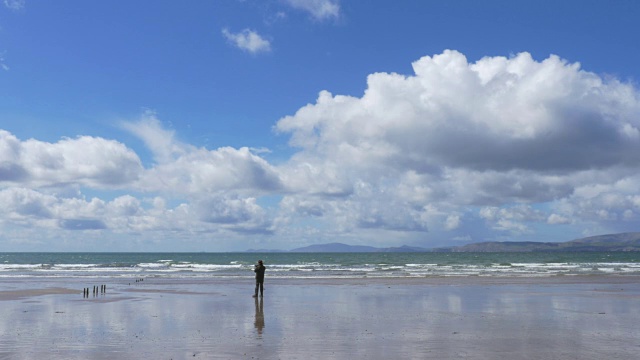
<point x="39" y="286"/>
<point x="561" y="317"/>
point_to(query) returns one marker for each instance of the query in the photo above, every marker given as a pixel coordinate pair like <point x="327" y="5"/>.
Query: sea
<point x="315" y="265"/>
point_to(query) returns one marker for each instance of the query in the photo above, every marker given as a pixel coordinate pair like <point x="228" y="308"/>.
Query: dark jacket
<point x="259" y="270"/>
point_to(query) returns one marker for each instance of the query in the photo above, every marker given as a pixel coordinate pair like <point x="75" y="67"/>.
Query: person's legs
<point x="256" y="292"/>
<point x="261" y="288"/>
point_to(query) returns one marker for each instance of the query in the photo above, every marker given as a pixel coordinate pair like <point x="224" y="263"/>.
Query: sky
<point x="228" y="125"/>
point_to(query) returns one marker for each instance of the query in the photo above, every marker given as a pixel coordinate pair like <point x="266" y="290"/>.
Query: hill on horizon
<point x="609" y="242"/>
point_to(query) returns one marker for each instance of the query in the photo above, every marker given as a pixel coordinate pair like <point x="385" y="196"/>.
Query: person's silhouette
<point x="259" y="269"/>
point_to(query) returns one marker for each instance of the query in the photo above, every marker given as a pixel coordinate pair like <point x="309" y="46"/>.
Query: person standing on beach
<point x="259" y="270"/>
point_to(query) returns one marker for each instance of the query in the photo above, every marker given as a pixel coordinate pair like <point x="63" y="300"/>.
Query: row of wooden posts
<point x="97" y="289"/>
<point x="100" y="289"/>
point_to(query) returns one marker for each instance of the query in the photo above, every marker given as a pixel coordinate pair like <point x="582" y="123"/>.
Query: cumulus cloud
<point x="85" y="160"/>
<point x="248" y="40"/>
<point x="512" y="219"/>
<point x="32" y="208"/>
<point x="181" y="168"/>
<point x="496" y="132"/>
<point x="125" y="214"/>
<point x="212" y="190"/>
<point x="603" y="199"/>
<point x="496" y="114"/>
<point x="212" y="171"/>
<point x="21" y="204"/>
<point x="318" y="9"/>
<point x="242" y="215"/>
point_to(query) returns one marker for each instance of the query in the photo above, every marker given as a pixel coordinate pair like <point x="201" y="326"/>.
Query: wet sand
<point x="435" y="318"/>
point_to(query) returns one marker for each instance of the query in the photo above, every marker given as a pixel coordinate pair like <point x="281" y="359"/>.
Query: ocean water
<point x="317" y="265"/>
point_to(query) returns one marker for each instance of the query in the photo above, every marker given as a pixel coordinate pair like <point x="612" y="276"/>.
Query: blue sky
<point x="228" y="125"/>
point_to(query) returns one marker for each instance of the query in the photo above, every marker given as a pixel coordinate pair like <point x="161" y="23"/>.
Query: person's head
<point x="259" y="262"/>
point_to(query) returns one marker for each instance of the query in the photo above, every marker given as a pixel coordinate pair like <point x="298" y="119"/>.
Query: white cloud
<point x="86" y="160"/>
<point x="452" y="222"/>
<point x="212" y="190"/>
<point x="500" y="131"/>
<point x="211" y="171"/>
<point x="604" y="198"/>
<point x="21" y="204"/>
<point x="182" y="169"/>
<point x="513" y="218"/>
<point x="157" y="139"/>
<point x="248" y="40"/>
<point x="557" y="219"/>
<point x="235" y="214"/>
<point x="15" y="4"/>
<point x="318" y="9"/>
<point x="3" y="65"/>
<point x="510" y="114"/>
<point x="126" y="214"/>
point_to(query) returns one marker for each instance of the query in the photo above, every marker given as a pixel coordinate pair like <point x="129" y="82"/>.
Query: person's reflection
<point x="259" y="322"/>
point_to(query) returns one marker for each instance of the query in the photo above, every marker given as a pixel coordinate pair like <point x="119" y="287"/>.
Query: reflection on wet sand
<point x="259" y="321"/>
<point x="555" y="318"/>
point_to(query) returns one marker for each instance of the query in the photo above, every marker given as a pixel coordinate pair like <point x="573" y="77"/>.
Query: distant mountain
<point x="611" y="242"/>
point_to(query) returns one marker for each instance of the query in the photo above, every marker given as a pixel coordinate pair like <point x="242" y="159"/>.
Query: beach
<point x="562" y="317"/>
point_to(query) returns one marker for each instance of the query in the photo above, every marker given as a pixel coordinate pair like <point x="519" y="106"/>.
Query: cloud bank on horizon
<point x="506" y="147"/>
